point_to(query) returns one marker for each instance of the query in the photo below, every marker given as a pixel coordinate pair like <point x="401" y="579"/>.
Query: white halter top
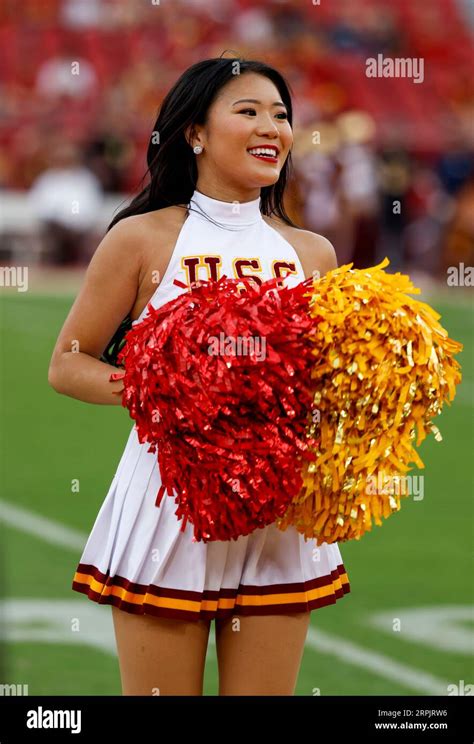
<point x="235" y="241"/>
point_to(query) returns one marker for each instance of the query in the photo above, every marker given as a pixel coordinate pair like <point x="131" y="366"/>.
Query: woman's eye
<point x="244" y="111"/>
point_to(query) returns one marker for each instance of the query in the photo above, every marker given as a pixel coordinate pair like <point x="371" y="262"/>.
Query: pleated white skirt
<point x="138" y="559"/>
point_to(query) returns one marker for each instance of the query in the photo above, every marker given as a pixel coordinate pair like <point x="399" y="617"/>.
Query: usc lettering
<point x="247" y="268"/>
<point x="283" y="268"/>
<point x="240" y="265"/>
<point x="192" y="264"/>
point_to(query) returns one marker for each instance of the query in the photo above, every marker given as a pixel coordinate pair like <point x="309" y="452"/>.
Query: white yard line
<point x="379" y="664"/>
<point x="318" y="640"/>
<point x="54" y="533"/>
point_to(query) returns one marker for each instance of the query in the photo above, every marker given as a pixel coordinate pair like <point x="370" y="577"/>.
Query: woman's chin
<point x="264" y="179"/>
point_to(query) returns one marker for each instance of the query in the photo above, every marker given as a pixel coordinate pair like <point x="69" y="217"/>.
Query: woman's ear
<point x="189" y="134"/>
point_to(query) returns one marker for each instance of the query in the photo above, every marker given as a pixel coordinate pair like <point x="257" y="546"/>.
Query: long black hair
<point x="171" y="161"/>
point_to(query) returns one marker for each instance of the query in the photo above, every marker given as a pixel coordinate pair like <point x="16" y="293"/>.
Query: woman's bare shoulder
<point x="151" y="235"/>
<point x="316" y="253"/>
<point x="154" y="234"/>
<point x="148" y="223"/>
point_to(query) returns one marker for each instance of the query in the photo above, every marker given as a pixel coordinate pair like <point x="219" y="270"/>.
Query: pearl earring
<point x="197" y="149"/>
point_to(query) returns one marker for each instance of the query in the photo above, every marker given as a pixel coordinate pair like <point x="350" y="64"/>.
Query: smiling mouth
<point x="265" y="157"/>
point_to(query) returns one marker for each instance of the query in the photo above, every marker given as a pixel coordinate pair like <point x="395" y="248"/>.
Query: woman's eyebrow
<point x="254" y="100"/>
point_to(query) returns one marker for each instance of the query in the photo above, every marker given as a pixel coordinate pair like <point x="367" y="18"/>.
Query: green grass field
<point x="372" y="642"/>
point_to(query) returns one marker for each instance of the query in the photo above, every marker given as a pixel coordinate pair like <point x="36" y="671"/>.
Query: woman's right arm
<point x="107" y="295"/>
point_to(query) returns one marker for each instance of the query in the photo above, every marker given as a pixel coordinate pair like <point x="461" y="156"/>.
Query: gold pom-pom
<point x="383" y="368"/>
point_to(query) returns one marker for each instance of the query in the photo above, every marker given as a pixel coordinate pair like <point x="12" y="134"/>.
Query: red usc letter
<point x="241" y="263"/>
<point x="192" y="264"/>
<point x="283" y="268"/>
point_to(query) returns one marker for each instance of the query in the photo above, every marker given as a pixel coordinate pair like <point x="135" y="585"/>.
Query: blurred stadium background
<point x="406" y="627"/>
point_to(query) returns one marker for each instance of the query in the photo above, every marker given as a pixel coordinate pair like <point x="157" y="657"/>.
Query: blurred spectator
<point x="104" y="156"/>
<point x="67" y="199"/>
<point x="254" y="26"/>
<point x="321" y="206"/>
<point x="395" y="177"/>
<point x="359" y="187"/>
<point x="318" y="178"/>
<point x="455" y="165"/>
<point x="380" y="33"/>
<point x="429" y="208"/>
<point x="459" y="244"/>
<point x="346" y="34"/>
<point x="66" y="75"/>
<point x="83" y="14"/>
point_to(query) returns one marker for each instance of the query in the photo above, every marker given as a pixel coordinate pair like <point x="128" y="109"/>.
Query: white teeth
<point x="263" y="151"/>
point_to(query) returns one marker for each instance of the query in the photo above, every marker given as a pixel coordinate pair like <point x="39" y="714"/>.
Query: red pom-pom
<point x="219" y="381"/>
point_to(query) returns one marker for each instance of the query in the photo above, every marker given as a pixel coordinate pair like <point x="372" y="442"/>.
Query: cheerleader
<point x="219" y="159"/>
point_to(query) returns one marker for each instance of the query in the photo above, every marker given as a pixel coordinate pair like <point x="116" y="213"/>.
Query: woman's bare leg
<point x="160" y="656"/>
<point x="260" y="655"/>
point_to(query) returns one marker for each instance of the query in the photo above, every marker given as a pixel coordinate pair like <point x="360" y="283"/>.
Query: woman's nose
<point x="267" y="125"/>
